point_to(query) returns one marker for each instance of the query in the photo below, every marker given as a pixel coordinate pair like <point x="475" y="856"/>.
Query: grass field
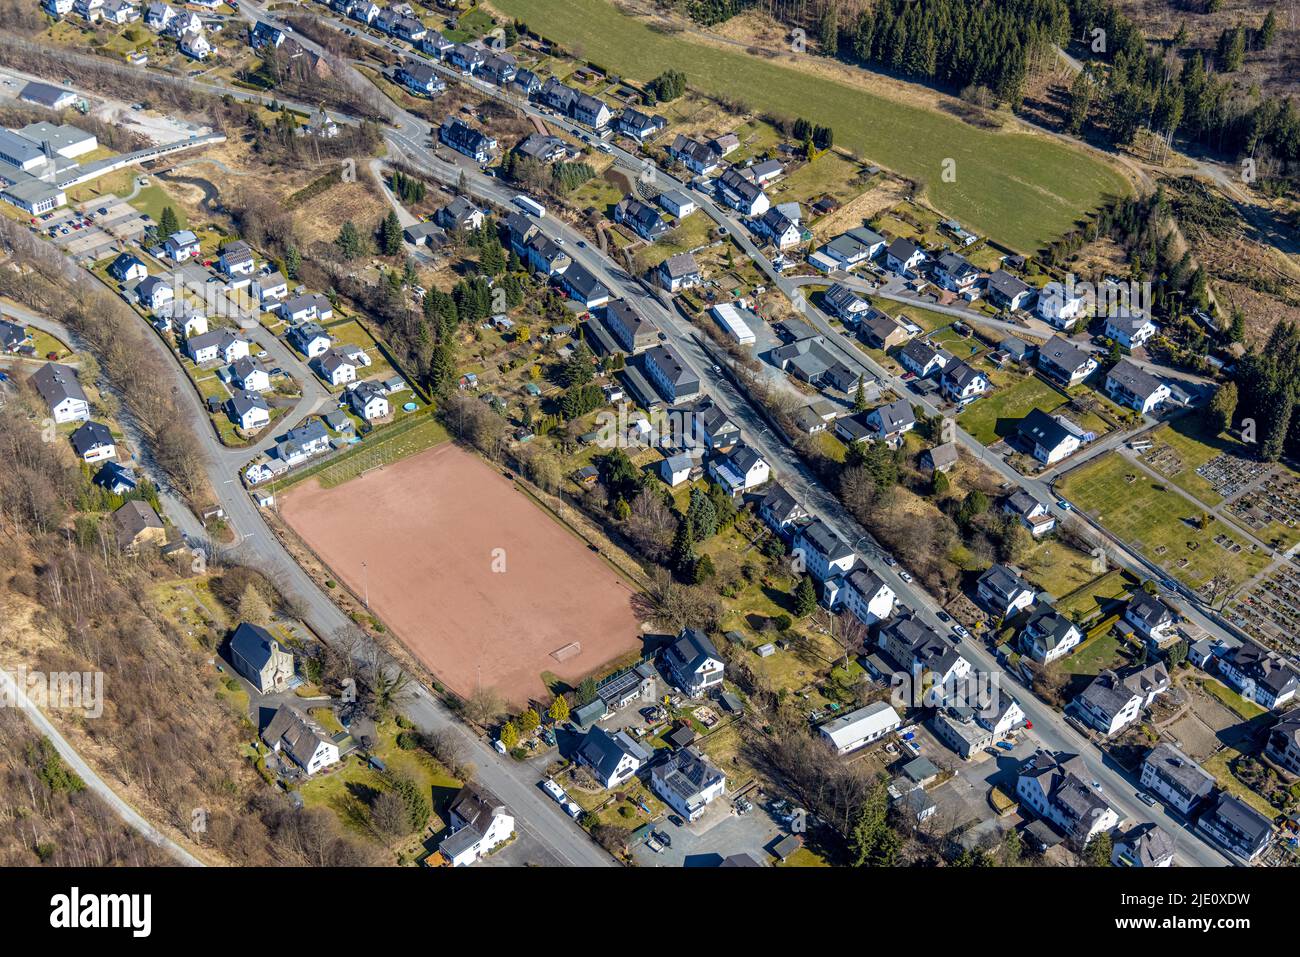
<point x="1159" y="522"/>
<point x="1018" y="188"/>
<point x="388" y="445"/>
<point x="998" y="415"/>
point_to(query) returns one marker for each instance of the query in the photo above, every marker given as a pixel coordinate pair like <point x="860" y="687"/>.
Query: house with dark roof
<point x="1002" y="591"/>
<point x="880" y="330"/>
<point x="1046" y="439"/>
<point x="779" y="510"/>
<point x="889" y="423"/>
<point x="542" y="147"/>
<point x="137" y="524"/>
<point x="941" y="458"/>
<point x="916" y="649"/>
<point x="611" y="758"/>
<point x="1283" y="744"/>
<point x="420" y="78"/>
<point x="249" y="411"/>
<point x="679" y="272"/>
<point x="693" y="663"/>
<point x="954" y="272"/>
<point x="823" y="553"/>
<point x="699" y="158"/>
<point x="851" y="249"/>
<point x="58" y="387"/>
<point x="810" y="360"/>
<point x="741" y="471"/>
<point x="1033" y="514"/>
<point x="671" y="376"/>
<point x="747" y="198"/>
<point x="1150" y="617"/>
<point x="93" y="442"/>
<point x="1112" y="702"/>
<point x="1008" y="291"/>
<point x="641" y="218"/>
<point x="1134" y="387"/>
<point x="477" y="822"/>
<point x="1130" y="328"/>
<point x="260" y="659"/>
<point x="1258" y="674"/>
<point x="866" y="595"/>
<point x="638" y="125"/>
<point x="127" y="268"/>
<point x="154" y="292"/>
<point x="116" y="478"/>
<point x="1048" y="635"/>
<point x="923" y="359"/>
<point x="962" y="383"/>
<point x="903" y="255"/>
<point x="1065" y="362"/>
<point x="1175" y="778"/>
<point x="631" y="330"/>
<point x="1146" y="845"/>
<point x="463" y="138"/>
<point x="1237" y="827"/>
<point x="1055" y="786"/>
<point x="687" y="781"/>
<point x="300" y="737"/>
<point x="845" y="304"/>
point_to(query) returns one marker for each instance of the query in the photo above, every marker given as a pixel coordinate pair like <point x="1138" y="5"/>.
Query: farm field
<point x="478" y="582"/>
<point x="1159" y="522"/>
<point x="1020" y="189"/>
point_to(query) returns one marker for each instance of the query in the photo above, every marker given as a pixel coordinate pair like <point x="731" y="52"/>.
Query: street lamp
<point x="365" y="579"/>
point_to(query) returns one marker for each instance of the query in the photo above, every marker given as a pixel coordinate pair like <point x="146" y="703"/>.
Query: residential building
<point x="779" y="510"/>
<point x="845" y="304"/>
<point x="878" y="330"/>
<point x="219" y="344"/>
<point x="302" y="443"/>
<point x="813" y="362"/>
<point x="1033" y="514"/>
<point x="1046" y="438"/>
<point x="1150" y="617"/>
<point x="270" y="288"/>
<point x="310" y="338"/>
<point x="922" y="359"/>
<point x="694" y="663"/>
<point x="463" y="138"/>
<point x="1111" y="703"/>
<point x="58" y="387"/>
<point x="1002" y="591"/>
<point x="957" y="728"/>
<point x="679" y="272"/>
<point x="889" y="423"/>
<point x="903" y="255"/>
<point x="962" y="383"/>
<point x="301" y="738"/>
<point x="633" y="332"/>
<point x="700" y="158"/>
<point x="153" y="293"/>
<point x="1065" y="362"/>
<point x="542" y="147"/>
<point x="420" y="79"/>
<point x="1001" y="716"/>
<point x="182" y="245"/>
<point x="1048" y="635"/>
<point x="1007" y="291"/>
<point x="591" y="111"/>
<point x="127" y="268"/>
<point x="583" y="287"/>
<point x="93" y="442"/>
<point x="742" y="471"/>
<point x="1060" y="307"/>
<point x="1175" y="778"/>
<point x="920" y="652"/>
<point x="460" y="215"/>
<point x="368" y="401"/>
<point x="866" y="595"/>
<point x="249" y="411"/>
<point x="671" y="376"/>
<point x="1236" y="826"/>
<point x="478" y="823"/>
<point x="642" y="219"/>
<point x="1055" y="786"/>
<point x="954" y="272"/>
<point x="612" y="758"/>
<point x="13" y="337"/>
<point x="259" y="658"/>
<point x="1134" y="387"/>
<point x="823" y="553"/>
<point x="249" y="374"/>
<point x="852" y="249"/>
<point x="740" y="194"/>
<point x="136" y="524"/>
<point x="676" y="203"/>
<point x="1283" y="745"/>
<point x="1259" y="675"/>
<point x="639" y="126"/>
<point x="1146" y="845"/>
<point x="1130" y="329"/>
<point x="857" y="729"/>
<point x="687" y="781"/>
<point x="783" y="230"/>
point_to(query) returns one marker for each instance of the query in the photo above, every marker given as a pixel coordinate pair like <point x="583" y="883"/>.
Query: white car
<point x="575" y="812"/>
<point x="905" y="576"/>
<point x="500" y="748"/>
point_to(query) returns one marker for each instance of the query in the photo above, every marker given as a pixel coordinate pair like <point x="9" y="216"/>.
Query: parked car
<point x="905" y="576"/>
<point x="943" y="615"/>
<point x="573" y="809"/>
<point x="500" y="748"/>
<point x="553" y="789"/>
<point x="1146" y="799"/>
<point x="960" y="631"/>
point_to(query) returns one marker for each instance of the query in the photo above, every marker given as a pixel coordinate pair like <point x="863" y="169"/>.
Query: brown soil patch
<point x="427" y="529"/>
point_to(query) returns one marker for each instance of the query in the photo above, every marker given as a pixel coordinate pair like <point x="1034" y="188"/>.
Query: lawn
<point x="1021" y="189"/>
<point x="998" y="415"/>
<point x="1194" y="446"/>
<point x="1102" y="594"/>
<point x="1095" y="655"/>
<point x="1158" y="522"/>
<point x="153" y="199"/>
<point x="397" y="441"/>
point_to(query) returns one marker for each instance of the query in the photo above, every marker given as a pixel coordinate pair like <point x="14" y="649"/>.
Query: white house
<point x="1002" y="591"/>
<point x="962" y="383"/>
<point x="368" y="401"/>
<point x="1048" y="635"/>
<point x="1175" y="778"/>
<point x="1033" y="514"/>
<point x="1055" y="786"/>
<point x="687" y="781"/>
<point x="182" y="245"/>
<point x="195" y="45"/>
<point x="742" y="471"/>
<point x="250" y="375"/>
<point x="861" y="727"/>
<point x="220" y="344"/>
<point x="694" y="662"/>
<point x="62" y="393"/>
<point x="1047" y="439"/>
<point x="237" y="259"/>
<point x="249" y="411"/>
<point x="299" y="737"/>
<point x="310" y="338"/>
<point x="1136" y="388"/>
<point x="93" y="442"/>
<point x="1150" y="617"/>
<point x="1130" y="329"/>
<point x="823" y="553"/>
<point x="478" y="822"/>
<point x="270" y="289"/>
<point x="903" y="255"/>
<point x="611" y="758"/>
<point x="1059" y="307"/>
<point x="867" y="596"/>
<point x="153" y="293"/>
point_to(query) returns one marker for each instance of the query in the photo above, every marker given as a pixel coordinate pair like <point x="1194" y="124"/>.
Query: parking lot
<point x="94" y="229"/>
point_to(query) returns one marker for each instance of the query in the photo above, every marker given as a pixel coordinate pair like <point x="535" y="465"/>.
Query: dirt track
<point x="427" y="530"/>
